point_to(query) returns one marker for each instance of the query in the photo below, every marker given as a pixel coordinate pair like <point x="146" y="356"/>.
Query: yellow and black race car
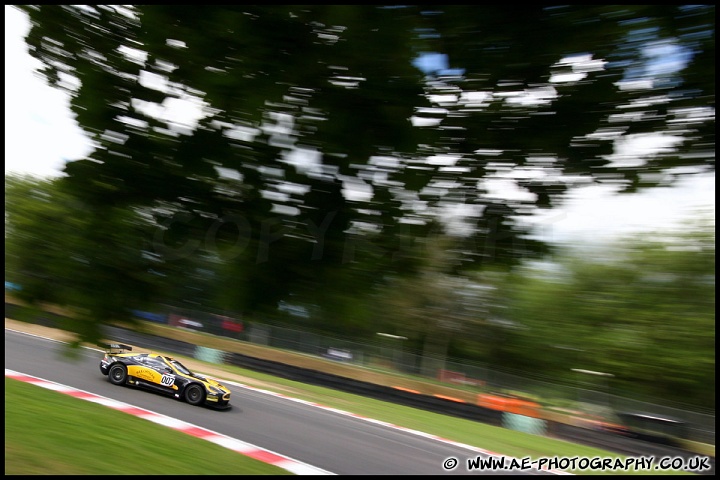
<point x="161" y="374"/>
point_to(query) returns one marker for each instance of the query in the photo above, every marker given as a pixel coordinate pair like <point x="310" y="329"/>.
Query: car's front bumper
<point x="218" y="400"/>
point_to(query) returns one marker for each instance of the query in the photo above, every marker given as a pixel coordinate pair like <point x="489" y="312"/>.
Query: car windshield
<point x="180" y="367"/>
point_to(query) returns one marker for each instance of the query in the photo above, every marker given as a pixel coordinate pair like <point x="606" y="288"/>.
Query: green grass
<point x="50" y="433"/>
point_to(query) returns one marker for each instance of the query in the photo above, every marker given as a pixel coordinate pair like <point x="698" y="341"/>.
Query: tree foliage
<point x="643" y="311"/>
<point x="319" y="148"/>
<point x="63" y="253"/>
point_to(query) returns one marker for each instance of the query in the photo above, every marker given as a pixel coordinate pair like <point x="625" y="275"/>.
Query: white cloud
<point x="595" y="214"/>
<point x="39" y="131"/>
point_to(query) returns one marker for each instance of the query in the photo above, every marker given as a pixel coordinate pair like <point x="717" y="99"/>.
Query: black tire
<point x="118" y="374"/>
<point x="194" y="394"/>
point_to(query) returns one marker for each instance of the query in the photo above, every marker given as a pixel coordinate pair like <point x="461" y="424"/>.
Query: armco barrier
<point x="379" y="392"/>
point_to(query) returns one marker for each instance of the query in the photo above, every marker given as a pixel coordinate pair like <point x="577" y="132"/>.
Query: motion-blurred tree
<point x="60" y="252"/>
<point x="435" y="306"/>
<point x="643" y="311"/>
<point x="313" y="125"/>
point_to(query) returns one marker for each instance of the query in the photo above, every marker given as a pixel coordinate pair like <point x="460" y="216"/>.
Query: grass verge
<point x="50" y="433"/>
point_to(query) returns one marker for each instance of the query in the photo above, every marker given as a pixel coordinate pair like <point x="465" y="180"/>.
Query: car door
<point x="152" y="372"/>
<point x="167" y="377"/>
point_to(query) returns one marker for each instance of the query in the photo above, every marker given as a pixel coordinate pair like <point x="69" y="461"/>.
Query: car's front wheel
<point x="194" y="394"/>
<point x="117" y="374"/>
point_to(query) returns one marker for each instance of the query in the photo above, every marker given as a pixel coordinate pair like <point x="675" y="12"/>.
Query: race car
<point x="162" y="374"/>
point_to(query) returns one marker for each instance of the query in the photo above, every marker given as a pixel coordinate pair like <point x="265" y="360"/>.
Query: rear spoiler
<point x="117" y="346"/>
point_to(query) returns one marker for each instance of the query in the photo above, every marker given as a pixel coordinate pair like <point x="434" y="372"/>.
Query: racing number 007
<point x="167" y="380"/>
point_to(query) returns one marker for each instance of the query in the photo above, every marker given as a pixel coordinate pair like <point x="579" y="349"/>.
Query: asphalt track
<point x="332" y="441"/>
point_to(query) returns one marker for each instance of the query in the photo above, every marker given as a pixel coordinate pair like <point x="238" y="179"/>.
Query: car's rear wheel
<point x="117" y="374"/>
<point x="194" y="394"/>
